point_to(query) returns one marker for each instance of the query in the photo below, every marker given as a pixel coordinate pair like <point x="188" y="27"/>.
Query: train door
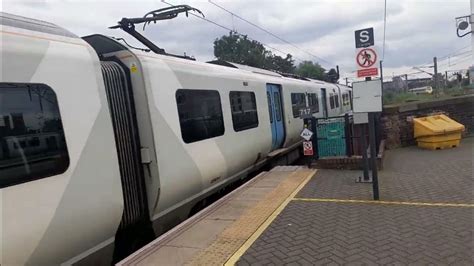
<point x="276" y="115"/>
<point x="324" y="102"/>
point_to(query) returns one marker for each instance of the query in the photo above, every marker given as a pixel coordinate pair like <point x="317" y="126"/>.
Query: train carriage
<point x="142" y="139"/>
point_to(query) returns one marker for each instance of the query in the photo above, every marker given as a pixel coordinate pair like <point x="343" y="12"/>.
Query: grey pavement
<point x="340" y="233"/>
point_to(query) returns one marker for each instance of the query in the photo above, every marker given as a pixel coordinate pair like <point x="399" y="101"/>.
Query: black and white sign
<point x="306" y="134"/>
<point x="364" y="37"/>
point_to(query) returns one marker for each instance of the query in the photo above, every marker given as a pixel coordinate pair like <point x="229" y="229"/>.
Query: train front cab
<point x="60" y="189"/>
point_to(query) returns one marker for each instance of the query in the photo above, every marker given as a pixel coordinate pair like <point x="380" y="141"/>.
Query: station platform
<point x="297" y="216"/>
<point x="215" y="234"/>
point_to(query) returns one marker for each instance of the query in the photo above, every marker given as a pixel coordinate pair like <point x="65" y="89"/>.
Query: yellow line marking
<point x="234" y="258"/>
<point x="440" y="204"/>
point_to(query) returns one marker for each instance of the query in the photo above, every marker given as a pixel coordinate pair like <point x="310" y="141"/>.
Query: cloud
<point x="416" y="30"/>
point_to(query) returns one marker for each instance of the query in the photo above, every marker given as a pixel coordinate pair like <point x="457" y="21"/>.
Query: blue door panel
<point x="270" y="113"/>
<point x="276" y="115"/>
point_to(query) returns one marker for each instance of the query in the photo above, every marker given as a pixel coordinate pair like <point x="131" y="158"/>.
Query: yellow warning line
<point x="440" y="204"/>
<point x="236" y="256"/>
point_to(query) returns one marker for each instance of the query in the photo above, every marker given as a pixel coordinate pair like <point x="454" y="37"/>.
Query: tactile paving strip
<point x="233" y="237"/>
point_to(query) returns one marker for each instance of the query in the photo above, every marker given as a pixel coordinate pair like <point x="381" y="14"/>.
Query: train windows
<point x="270" y="113"/>
<point x="244" y="110"/>
<point x="313" y="102"/>
<point x="298" y="102"/>
<point x="277" y="105"/>
<point x="200" y="114"/>
<point x="350" y="98"/>
<point x="345" y="99"/>
<point x="331" y="101"/>
<point x="32" y="142"/>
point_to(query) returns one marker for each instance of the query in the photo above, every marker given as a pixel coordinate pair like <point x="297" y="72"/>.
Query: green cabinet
<point x="331" y="136"/>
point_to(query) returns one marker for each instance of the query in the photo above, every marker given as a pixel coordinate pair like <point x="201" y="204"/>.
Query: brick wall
<point x="397" y="125"/>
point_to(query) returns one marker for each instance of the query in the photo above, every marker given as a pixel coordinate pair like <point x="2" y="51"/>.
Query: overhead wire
<point x="444" y="57"/>
<point x="236" y="32"/>
<point x="384" y="28"/>
<point x="271" y="33"/>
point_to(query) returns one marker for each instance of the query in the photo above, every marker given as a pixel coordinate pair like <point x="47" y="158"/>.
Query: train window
<point x="345" y="99"/>
<point x="277" y="105"/>
<point x="313" y="102"/>
<point x="336" y="100"/>
<point x="244" y="110"/>
<point x="331" y="101"/>
<point x="270" y="113"/>
<point x="298" y="102"/>
<point x="32" y="142"/>
<point x="200" y="114"/>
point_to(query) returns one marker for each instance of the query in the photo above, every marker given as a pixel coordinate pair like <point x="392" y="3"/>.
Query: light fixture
<point x="462" y="23"/>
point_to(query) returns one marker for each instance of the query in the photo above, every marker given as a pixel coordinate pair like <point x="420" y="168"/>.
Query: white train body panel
<point x="68" y="216"/>
<point x="188" y="170"/>
<point x="48" y="221"/>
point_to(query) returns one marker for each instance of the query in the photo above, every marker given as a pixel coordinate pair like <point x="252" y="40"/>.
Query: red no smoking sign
<point x="366" y="57"/>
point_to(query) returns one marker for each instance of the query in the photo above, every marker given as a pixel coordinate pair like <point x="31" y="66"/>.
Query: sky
<point x="318" y="30"/>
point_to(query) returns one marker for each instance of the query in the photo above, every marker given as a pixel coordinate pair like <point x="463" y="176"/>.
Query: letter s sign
<point x="364" y="38"/>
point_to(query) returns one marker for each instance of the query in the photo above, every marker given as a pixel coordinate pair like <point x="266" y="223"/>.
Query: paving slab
<point x="311" y="233"/>
<point x="425" y="216"/>
<point x="215" y="234"/>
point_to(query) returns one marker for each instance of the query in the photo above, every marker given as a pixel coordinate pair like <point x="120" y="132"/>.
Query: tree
<point x="280" y="64"/>
<point x="332" y="76"/>
<point x="239" y="49"/>
<point x="308" y="69"/>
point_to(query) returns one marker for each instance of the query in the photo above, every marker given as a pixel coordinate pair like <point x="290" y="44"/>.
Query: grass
<point x="392" y="98"/>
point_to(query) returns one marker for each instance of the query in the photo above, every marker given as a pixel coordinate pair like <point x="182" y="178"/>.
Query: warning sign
<point x="366" y="59"/>
<point x="367" y="72"/>
<point x="308" y="148"/>
<point x="306" y="134"/>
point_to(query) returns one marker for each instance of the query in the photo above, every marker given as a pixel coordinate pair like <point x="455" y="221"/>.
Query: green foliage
<point x="312" y="70"/>
<point x="390" y="97"/>
<point x="280" y="64"/>
<point x="332" y="76"/>
<point x="239" y="49"/>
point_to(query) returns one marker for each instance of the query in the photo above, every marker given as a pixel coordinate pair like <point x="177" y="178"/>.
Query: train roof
<point x="16" y="21"/>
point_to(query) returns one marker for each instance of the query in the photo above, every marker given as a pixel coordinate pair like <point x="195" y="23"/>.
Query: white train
<point x="140" y="138"/>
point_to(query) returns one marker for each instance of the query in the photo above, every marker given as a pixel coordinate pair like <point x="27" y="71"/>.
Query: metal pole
<point x="364" y="153"/>
<point x="306" y="124"/>
<point x="435" y="62"/>
<point x="446" y="79"/>
<point x="381" y="78"/>
<point x="373" y="156"/>
<point x="406" y="82"/>
<point x="472" y="31"/>
<point x="314" y="128"/>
